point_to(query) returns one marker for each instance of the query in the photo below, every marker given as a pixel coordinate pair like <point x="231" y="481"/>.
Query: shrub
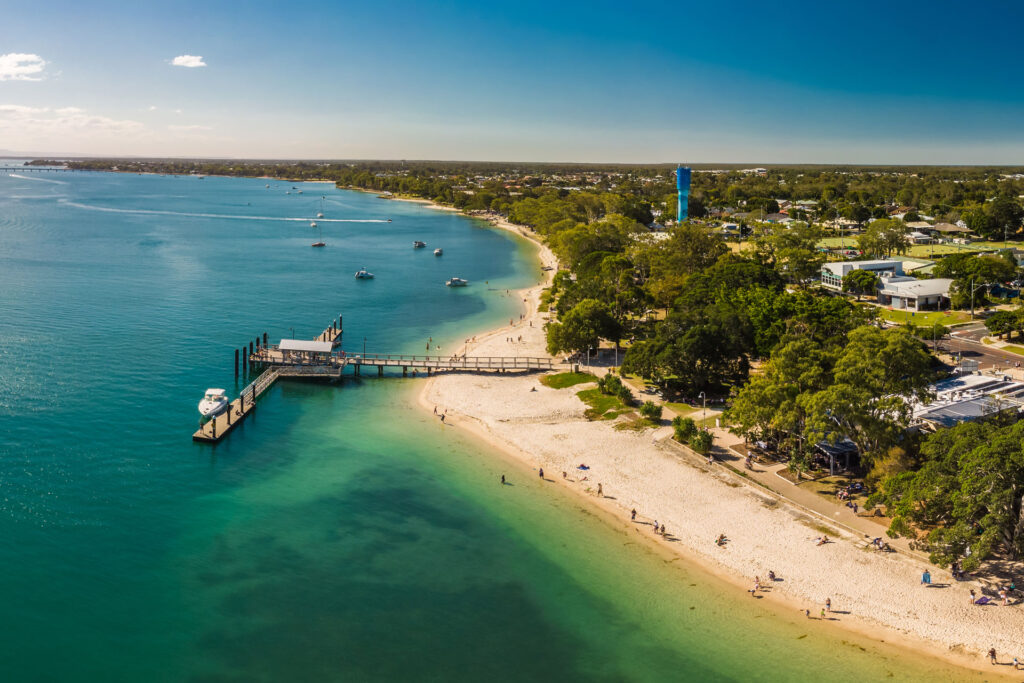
<point x="624" y="394"/>
<point x="610" y="384"/>
<point x="651" y="410"/>
<point x="684" y="429"/>
<point x="701" y="442"/>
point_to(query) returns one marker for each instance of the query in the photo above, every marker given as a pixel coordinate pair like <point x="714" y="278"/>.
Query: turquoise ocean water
<point x="340" y="533"/>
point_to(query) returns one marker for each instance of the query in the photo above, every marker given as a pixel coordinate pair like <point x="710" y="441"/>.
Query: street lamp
<point x="704" y="413"/>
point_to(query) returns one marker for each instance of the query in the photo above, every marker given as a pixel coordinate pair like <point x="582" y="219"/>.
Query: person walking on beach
<point x="828" y="604"/>
<point x="632" y="515"/>
<point x="442" y="418"/>
<point x="656" y="526"/>
<point x="822" y="617"/>
<point x="992" y="655"/>
<point x="972" y="596"/>
<point x="600" y="490"/>
<point x="541" y="472"/>
<point x="503" y="480"/>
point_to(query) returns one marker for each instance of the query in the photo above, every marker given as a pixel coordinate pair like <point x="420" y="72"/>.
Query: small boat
<point x="456" y="282"/>
<point x="418" y="245"/>
<point x="267" y="185"/>
<point x="320" y="242"/>
<point x="300" y="191"/>
<point x="364" y="274"/>
<point x="389" y="220"/>
<point x="312" y="224"/>
<point x="214" y="403"/>
<point x="288" y="192"/>
<point x="320" y="215"/>
<point x="438" y="252"/>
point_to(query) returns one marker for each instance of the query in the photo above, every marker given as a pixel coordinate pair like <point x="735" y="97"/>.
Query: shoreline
<point x="483" y="407"/>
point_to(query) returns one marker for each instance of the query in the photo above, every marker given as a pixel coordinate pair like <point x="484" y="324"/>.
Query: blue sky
<point x="870" y="82"/>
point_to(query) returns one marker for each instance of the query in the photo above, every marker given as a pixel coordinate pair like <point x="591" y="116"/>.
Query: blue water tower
<point x="683" y="186"/>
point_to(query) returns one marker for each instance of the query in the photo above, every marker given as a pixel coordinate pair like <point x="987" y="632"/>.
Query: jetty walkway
<point x="321" y="359"/>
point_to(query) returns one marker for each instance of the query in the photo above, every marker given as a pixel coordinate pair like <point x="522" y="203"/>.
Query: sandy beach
<point x="876" y="594"/>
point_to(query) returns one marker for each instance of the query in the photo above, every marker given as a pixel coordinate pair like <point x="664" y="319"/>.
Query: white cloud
<point x="152" y="107"/>
<point x="43" y="123"/>
<point x="18" y="66"/>
<point x="186" y="129"/>
<point x="191" y="61"/>
<point x="177" y="111"/>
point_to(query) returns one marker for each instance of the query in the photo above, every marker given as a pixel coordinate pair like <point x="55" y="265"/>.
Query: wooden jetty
<point x="220" y="426"/>
<point x="274" y="356"/>
<point x="321" y="359"/>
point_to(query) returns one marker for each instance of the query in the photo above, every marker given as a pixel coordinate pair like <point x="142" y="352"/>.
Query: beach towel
<point x="983" y="600"/>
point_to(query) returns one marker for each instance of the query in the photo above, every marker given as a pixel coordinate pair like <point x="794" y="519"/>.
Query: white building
<point x="907" y="293"/>
<point x="832" y="274"/>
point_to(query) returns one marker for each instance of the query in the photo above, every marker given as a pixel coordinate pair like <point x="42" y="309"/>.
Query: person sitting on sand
<point x="771" y="575"/>
<point x="721" y="539"/>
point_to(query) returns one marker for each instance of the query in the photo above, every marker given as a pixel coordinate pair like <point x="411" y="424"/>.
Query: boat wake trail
<point x="42" y="180"/>
<point x="156" y="212"/>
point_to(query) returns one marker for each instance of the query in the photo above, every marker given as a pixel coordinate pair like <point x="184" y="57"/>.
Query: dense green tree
<point x="860" y="282"/>
<point x="883" y="237"/>
<point x="876" y="377"/>
<point x="582" y="328"/>
<point x="968" y="492"/>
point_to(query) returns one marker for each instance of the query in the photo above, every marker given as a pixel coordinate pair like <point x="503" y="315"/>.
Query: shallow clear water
<point x="339" y="534"/>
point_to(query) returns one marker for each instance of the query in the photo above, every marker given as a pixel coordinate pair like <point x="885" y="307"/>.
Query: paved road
<point x="966" y="342"/>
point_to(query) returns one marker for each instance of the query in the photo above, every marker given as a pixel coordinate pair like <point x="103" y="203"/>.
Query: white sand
<point x="546" y="428"/>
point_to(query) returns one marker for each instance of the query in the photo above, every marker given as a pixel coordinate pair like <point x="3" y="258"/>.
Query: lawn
<point x="564" y="380"/>
<point x="1013" y="348"/>
<point x="838" y="242"/>
<point x="946" y="318"/>
<point x="602" y="406"/>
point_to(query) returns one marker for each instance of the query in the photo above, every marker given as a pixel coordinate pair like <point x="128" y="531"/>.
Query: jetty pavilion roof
<point x="303" y="345"/>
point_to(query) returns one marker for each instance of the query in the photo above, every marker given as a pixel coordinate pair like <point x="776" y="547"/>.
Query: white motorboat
<point x="438" y="252"/>
<point x="312" y="224"/>
<point x="214" y="403"/>
<point x="319" y="215"/>
<point x="364" y="274"/>
<point x="418" y="245"/>
<point x="456" y="282"/>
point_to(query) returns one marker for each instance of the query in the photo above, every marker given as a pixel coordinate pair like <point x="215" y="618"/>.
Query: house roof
<point x="905" y="288"/>
<point x="948" y="227"/>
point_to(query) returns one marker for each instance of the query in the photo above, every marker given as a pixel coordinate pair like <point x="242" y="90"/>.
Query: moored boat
<point x="364" y="274"/>
<point x="456" y="282"/>
<point x="214" y="402"/>
<point x="418" y="245"/>
<point x="438" y="251"/>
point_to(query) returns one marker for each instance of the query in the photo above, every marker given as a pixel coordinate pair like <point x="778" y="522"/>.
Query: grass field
<point x="837" y="242"/>
<point x="602" y="406"/>
<point x="1013" y="348"/>
<point x="567" y="379"/>
<point x="946" y="318"/>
